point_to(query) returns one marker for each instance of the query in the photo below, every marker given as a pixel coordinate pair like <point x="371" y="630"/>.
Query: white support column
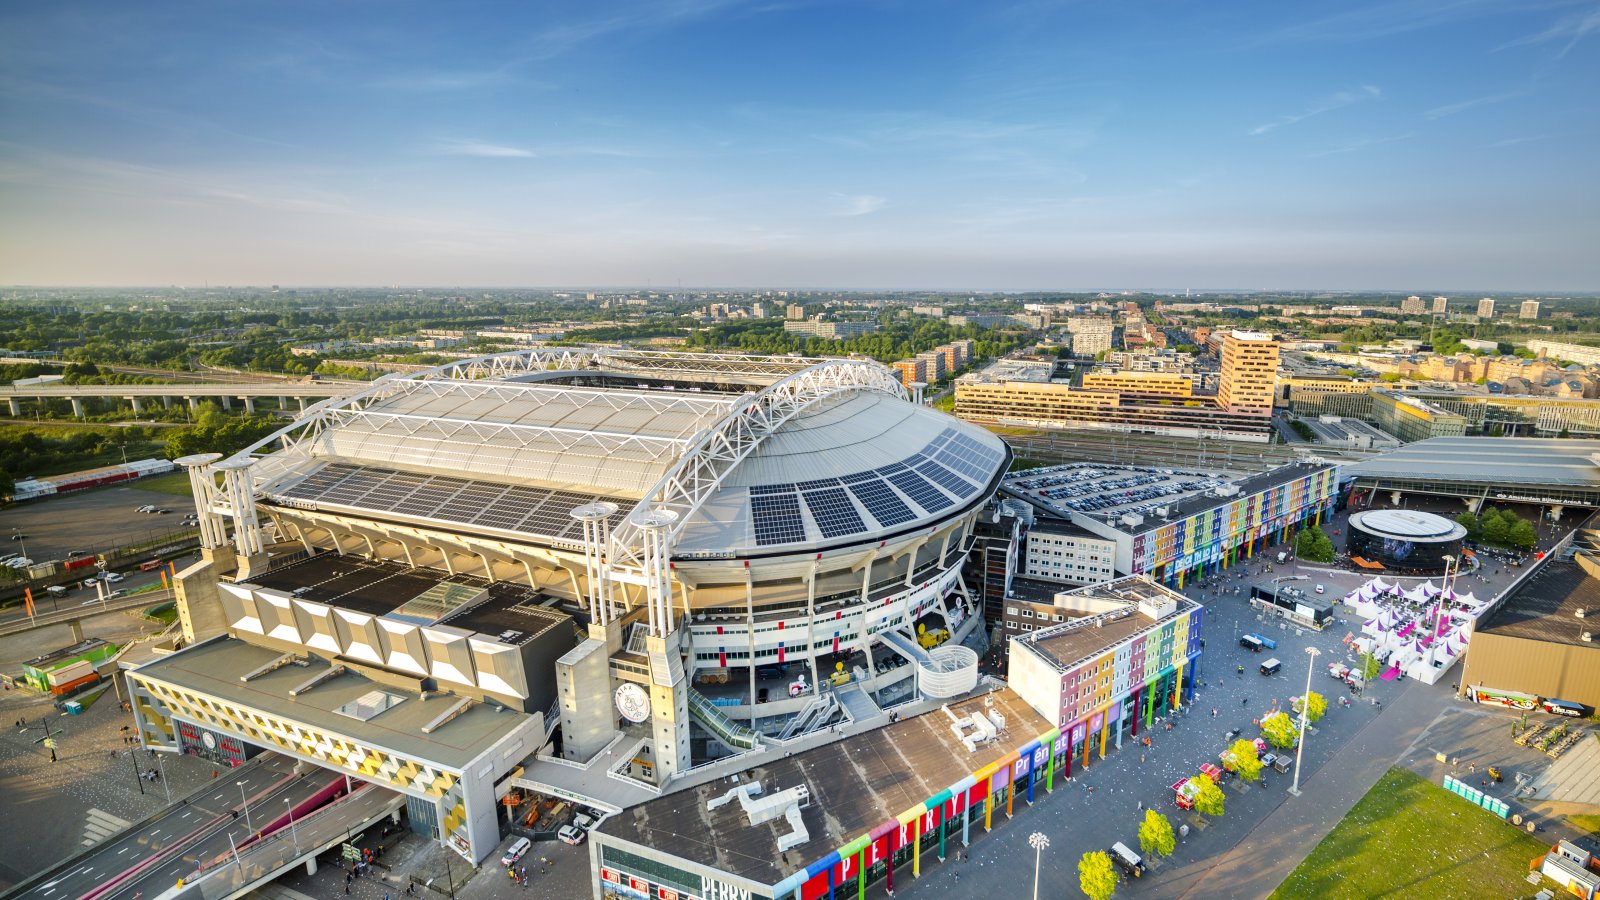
<point x="240" y="497"/>
<point x="811" y="623"/>
<point x="654" y="524"/>
<point x="596" y="519"/>
<point x="203" y="485"/>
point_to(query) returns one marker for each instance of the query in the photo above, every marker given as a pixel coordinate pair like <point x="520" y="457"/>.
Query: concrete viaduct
<point x="137" y="394"/>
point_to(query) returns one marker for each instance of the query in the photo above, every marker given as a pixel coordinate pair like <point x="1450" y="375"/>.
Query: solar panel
<point x="776" y="518"/>
<point x="882" y="502"/>
<point x="947" y="479"/>
<point x="918" y="489"/>
<point x="833" y="512"/>
<point x="449" y="499"/>
<point x="819" y="483"/>
<point x="771" y="488"/>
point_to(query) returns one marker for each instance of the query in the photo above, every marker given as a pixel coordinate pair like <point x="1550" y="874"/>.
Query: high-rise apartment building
<point x="1411" y="306"/>
<point x="1090" y="335"/>
<point x="1528" y="310"/>
<point x="1486" y="308"/>
<point x="794" y="312"/>
<point x="1249" y="372"/>
<point x="1441" y="305"/>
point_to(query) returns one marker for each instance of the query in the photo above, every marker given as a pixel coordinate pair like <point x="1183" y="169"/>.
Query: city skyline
<point x="1028" y="146"/>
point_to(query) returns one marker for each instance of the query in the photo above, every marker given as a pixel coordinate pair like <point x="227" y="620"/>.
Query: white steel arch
<point x="719" y="450"/>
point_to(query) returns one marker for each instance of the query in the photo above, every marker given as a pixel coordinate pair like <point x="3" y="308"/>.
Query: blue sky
<point x="1428" y="145"/>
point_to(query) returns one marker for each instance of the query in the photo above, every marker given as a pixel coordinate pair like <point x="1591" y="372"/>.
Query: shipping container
<point x="71" y="686"/>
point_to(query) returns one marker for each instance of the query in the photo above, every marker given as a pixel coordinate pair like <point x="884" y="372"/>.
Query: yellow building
<point x="1249" y="372"/>
<point x="1152" y="384"/>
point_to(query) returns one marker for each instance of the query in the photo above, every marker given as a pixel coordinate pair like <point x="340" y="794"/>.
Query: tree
<point x="1470" y="522"/>
<point x="1318" y="708"/>
<point x="1522" y="535"/>
<point x="1210" y="800"/>
<point x="1314" y="545"/>
<point x="1369" y="666"/>
<point x="1155" y="834"/>
<point x="1244" y="760"/>
<point x="1496" y="530"/>
<point x="1096" y="878"/>
<point x="1278" y="729"/>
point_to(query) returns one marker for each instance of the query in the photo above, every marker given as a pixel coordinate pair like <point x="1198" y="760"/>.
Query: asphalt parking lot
<point x="92" y="521"/>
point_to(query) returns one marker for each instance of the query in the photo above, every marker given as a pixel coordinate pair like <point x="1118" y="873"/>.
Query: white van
<point x="1271" y="666"/>
<point x="1127" y="860"/>
<point x="515" y="851"/>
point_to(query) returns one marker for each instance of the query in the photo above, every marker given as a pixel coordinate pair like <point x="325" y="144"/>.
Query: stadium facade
<point x="664" y="555"/>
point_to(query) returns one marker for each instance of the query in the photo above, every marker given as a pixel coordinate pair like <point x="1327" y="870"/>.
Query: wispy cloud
<point x="1522" y="139"/>
<point x="858" y="204"/>
<point x="1326" y="105"/>
<point x="1384" y="18"/>
<point x="470" y="147"/>
<point x="1362" y="144"/>
<point x="1450" y="109"/>
<point x="1568" y="31"/>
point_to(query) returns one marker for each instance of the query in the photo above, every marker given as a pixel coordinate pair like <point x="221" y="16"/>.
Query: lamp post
<point x="1305" y="715"/>
<point x="292" y="832"/>
<point x="247" y="825"/>
<point x="1038" y="842"/>
<point x="161" y="764"/>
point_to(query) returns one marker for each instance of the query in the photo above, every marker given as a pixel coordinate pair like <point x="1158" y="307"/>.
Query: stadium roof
<point x="1546" y="607"/>
<point x="1488" y="460"/>
<point x="827" y="452"/>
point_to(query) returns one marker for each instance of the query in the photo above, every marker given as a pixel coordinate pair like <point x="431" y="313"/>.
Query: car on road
<point x="572" y="834"/>
<point x="515" y="852"/>
<point x="19" y="536"/>
<point x="1321" y="589"/>
<point x="21" y="562"/>
<point x="112" y="577"/>
<point x="149" y="507"/>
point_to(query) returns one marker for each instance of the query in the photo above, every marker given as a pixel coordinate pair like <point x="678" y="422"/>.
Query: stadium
<point x="688" y="553"/>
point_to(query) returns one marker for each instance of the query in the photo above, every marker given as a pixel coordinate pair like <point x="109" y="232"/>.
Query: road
<point x="171" y="829"/>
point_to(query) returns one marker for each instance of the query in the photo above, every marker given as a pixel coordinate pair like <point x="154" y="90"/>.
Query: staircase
<point x="904" y="645"/>
<point x="727" y="732"/>
<point x="857" y="705"/>
<point x="814" y="716"/>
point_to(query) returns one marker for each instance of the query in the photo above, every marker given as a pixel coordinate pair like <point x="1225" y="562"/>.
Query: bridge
<point x="224" y="840"/>
<point x="74" y="617"/>
<point x="193" y="392"/>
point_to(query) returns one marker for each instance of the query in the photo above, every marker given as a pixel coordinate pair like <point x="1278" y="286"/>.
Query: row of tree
<point x="1500" y="527"/>
<point x="1313" y="545"/>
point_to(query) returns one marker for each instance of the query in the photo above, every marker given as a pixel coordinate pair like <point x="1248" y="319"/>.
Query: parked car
<point x="572" y="834"/>
<point x="515" y="851"/>
<point x="584" y="820"/>
<point x="112" y="577"/>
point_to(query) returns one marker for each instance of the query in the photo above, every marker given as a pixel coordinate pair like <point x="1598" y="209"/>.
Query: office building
<point x="1411" y="418"/>
<point x="838" y="331"/>
<point x="1174" y="525"/>
<point x="1141" y="384"/>
<point x="1058" y="551"/>
<point x="1249" y="372"/>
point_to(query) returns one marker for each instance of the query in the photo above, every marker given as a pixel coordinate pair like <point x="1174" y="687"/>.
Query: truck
<point x="1283" y="556"/>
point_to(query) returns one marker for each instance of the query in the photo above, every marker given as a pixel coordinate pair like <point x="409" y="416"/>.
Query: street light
<point x="247" y="825"/>
<point x="1305" y="715"/>
<point x="292" y="832"/>
<point x="1038" y="842"/>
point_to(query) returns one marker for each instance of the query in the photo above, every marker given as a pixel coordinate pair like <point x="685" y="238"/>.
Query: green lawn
<point x="175" y="483"/>
<point x="1411" y="838"/>
<point x="1590" y="824"/>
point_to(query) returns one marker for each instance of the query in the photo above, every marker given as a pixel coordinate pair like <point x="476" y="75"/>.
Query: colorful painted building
<point x="1180" y="525"/>
<point x="953" y="774"/>
<point x="92" y="652"/>
<point x="1128" y="656"/>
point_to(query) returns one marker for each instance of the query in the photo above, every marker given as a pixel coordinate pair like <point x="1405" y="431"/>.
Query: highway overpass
<point x="192" y="392"/>
<point x="20" y="623"/>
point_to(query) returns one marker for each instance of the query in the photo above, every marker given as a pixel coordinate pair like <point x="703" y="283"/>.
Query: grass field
<point x="1590" y="824"/>
<point x="1411" y="838"/>
<point x="174" y="483"/>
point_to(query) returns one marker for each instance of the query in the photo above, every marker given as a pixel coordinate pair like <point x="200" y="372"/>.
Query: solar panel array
<point x="777" y="519"/>
<point x="464" y="501"/>
<point x="952" y="465"/>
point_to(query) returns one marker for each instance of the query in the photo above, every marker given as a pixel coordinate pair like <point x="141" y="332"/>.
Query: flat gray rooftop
<point x="213" y="668"/>
<point x="856" y="784"/>
<point x="1489" y="460"/>
<point x="1545" y="607"/>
